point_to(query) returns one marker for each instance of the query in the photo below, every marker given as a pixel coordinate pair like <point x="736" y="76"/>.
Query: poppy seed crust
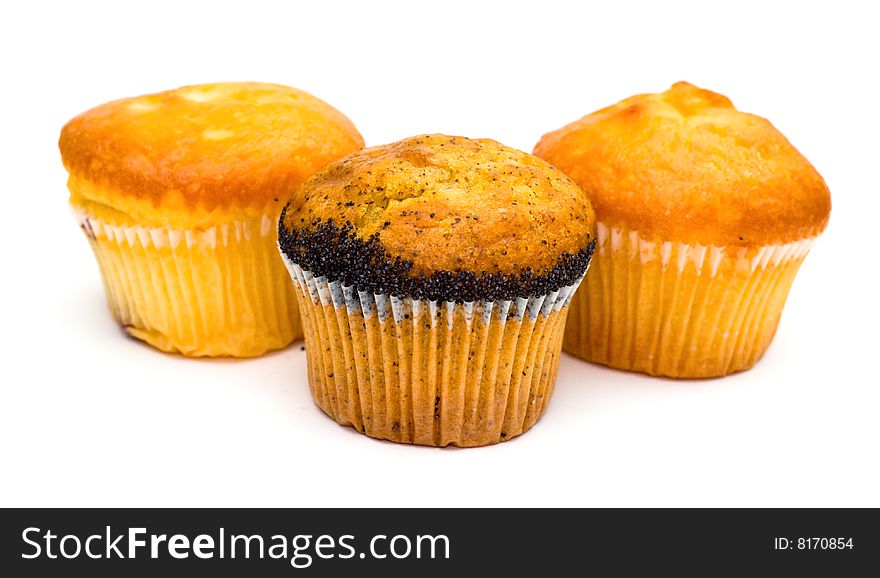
<point x="449" y="203"/>
<point x="334" y="251"/>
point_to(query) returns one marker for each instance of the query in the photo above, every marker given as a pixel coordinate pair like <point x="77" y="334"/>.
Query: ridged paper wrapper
<point x="677" y="309"/>
<point x="217" y="291"/>
<point x="427" y="372"/>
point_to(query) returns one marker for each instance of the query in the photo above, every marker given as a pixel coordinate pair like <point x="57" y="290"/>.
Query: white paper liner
<point x="161" y="237"/>
<point x="679" y="309"/>
<point x="428" y="372"/>
<point x="616" y="239"/>
<point x="214" y="291"/>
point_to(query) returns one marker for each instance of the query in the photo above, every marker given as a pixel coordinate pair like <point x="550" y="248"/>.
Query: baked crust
<point x="685" y="165"/>
<point x="199" y="148"/>
<point x="446" y="203"/>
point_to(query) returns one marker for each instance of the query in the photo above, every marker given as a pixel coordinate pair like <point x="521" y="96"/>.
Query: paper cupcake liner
<point x="680" y="310"/>
<point x="427" y="372"/>
<point x="219" y="291"/>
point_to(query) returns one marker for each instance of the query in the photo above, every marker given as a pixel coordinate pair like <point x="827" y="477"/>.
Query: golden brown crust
<point x="685" y="165"/>
<point x="205" y="147"/>
<point x="452" y="204"/>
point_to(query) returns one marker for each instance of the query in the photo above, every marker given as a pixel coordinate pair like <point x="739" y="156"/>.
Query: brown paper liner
<point x="429" y="373"/>
<point x="220" y="291"/>
<point x="680" y="310"/>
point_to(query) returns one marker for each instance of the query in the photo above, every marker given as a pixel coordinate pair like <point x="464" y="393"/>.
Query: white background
<point x="89" y="417"/>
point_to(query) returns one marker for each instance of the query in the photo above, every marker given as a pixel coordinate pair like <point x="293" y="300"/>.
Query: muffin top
<point x="442" y="218"/>
<point x="687" y="166"/>
<point x="208" y="146"/>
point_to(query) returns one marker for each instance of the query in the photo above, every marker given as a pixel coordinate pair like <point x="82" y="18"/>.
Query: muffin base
<point x="680" y="310"/>
<point x="216" y="291"/>
<point x="429" y="373"/>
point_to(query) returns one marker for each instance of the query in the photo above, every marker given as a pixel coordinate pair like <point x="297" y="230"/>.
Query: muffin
<point x="705" y="215"/>
<point x="179" y="193"/>
<point x="433" y="276"/>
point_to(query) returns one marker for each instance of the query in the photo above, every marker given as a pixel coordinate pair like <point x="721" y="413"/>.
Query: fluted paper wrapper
<point x="427" y="372"/>
<point x="219" y="291"/>
<point x="680" y="310"/>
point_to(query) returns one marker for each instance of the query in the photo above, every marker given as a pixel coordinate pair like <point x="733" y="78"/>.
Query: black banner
<point x="427" y="542"/>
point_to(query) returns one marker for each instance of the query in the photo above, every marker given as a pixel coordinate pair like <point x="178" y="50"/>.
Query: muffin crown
<point x="419" y="216"/>
<point x="685" y="165"/>
<point x="207" y="146"/>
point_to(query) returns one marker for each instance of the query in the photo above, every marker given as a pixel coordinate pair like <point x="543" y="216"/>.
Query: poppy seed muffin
<point x="433" y="275"/>
<point x="705" y="215"/>
<point x="179" y="192"/>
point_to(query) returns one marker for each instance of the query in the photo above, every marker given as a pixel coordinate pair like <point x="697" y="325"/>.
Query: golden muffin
<point x="179" y="192"/>
<point x="705" y="215"/>
<point x="433" y="275"/>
